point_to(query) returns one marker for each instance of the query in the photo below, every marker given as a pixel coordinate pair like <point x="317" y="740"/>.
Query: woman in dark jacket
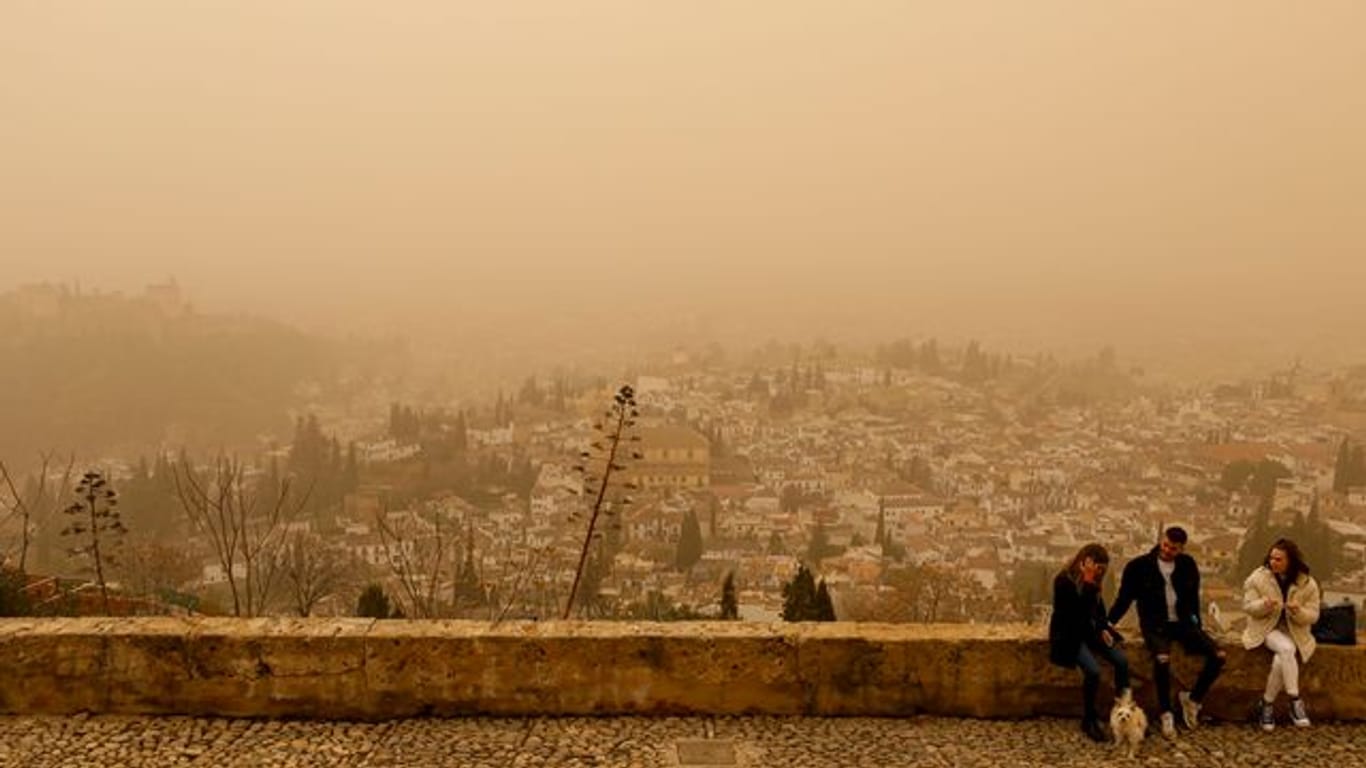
<point x="1079" y="633"/>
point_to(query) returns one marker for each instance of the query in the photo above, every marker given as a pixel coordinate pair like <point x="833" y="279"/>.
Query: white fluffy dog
<point x="1128" y="723"/>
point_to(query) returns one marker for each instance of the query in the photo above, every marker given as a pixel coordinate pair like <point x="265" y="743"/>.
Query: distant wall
<point x="371" y="670"/>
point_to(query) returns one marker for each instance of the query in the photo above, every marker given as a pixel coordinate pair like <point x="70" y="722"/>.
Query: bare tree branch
<point x="417" y="562"/>
<point x="226" y="509"/>
<point x="312" y="571"/>
<point x="523" y="574"/>
<point x="29" y="515"/>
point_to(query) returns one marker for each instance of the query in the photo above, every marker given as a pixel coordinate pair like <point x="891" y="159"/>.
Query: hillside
<point x="108" y="374"/>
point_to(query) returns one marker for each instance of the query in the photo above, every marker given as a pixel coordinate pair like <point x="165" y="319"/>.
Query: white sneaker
<point x="1168" y="726"/>
<point x="1297" y="714"/>
<point x="1190" y="709"/>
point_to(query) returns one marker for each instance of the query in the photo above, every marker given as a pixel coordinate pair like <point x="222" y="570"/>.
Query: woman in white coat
<point x="1282" y="602"/>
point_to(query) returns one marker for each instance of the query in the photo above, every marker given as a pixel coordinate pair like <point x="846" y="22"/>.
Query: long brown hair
<point x="1096" y="552"/>
<point x="1295" y="564"/>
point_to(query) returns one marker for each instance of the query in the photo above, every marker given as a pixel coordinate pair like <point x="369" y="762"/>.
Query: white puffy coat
<point x="1261" y="619"/>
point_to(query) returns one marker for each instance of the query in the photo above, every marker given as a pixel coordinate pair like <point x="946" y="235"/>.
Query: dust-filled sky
<point x="1032" y="172"/>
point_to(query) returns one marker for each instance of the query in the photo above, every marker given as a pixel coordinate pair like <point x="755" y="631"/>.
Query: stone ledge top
<point x="419" y="628"/>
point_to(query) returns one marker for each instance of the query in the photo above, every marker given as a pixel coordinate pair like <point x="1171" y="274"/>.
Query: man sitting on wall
<point x="1166" y="585"/>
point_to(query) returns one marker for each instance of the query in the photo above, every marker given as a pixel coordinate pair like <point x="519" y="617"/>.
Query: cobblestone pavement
<point x="747" y="742"/>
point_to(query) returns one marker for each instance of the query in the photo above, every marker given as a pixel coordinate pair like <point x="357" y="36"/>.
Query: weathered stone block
<point x="256" y="667"/>
<point x="52" y="665"/>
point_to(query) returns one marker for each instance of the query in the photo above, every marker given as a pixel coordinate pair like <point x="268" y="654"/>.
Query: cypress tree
<point x="825" y="607"/>
<point x="459" y="436"/>
<point x="730" y="606"/>
<point x="819" y="547"/>
<point x="799" y="596"/>
<point x="689" y="543"/>
<point x="1320" y="544"/>
<point x="1342" y="468"/>
<point x="1253" y="549"/>
<point x="351" y="475"/>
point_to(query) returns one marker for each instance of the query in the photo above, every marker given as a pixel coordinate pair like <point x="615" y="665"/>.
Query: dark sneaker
<point x="1093" y="730"/>
<point x="1268" y="716"/>
<point x="1297" y="714"/>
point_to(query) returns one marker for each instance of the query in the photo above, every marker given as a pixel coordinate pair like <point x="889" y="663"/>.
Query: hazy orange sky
<point x="1029" y="170"/>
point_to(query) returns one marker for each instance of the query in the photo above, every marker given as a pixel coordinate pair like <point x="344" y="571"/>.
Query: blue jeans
<point x="1090" y="671"/>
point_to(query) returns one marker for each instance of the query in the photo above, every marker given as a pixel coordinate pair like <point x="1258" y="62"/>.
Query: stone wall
<point x="371" y="670"/>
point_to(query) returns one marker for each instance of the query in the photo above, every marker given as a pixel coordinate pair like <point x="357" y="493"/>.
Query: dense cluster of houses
<point x="878" y="474"/>
<point x="886" y="483"/>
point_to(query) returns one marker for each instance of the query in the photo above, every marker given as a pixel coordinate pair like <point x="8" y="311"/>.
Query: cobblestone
<point x="154" y="742"/>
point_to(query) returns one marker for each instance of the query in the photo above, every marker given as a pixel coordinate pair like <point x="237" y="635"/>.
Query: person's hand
<point x="1107" y="637"/>
<point x="1293" y="609"/>
<point x="1269" y="603"/>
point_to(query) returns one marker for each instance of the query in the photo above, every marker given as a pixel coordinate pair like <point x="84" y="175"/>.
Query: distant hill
<point x="100" y="374"/>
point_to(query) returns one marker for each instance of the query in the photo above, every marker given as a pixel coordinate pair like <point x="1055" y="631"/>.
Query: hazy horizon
<point x="1165" y="177"/>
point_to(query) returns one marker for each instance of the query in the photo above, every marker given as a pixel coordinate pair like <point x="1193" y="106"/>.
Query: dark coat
<point x="1078" y="618"/>
<point x="1142" y="583"/>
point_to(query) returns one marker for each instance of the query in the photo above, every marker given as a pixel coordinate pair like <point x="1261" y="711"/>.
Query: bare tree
<point x="619" y="419"/>
<point x="531" y="582"/>
<point x="243" y="527"/>
<point x="35" y="510"/>
<point x="925" y="594"/>
<point x="15" y="507"/>
<point x="525" y="573"/>
<point x="420" y="554"/>
<point x="312" y="572"/>
<point x="151" y="568"/>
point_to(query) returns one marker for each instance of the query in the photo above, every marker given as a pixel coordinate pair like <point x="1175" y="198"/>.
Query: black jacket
<point x="1142" y="583"/>
<point x="1078" y="618"/>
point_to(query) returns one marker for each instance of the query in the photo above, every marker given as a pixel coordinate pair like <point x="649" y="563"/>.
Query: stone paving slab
<point x="753" y="742"/>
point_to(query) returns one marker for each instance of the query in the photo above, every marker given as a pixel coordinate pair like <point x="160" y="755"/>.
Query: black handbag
<point x="1337" y="624"/>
